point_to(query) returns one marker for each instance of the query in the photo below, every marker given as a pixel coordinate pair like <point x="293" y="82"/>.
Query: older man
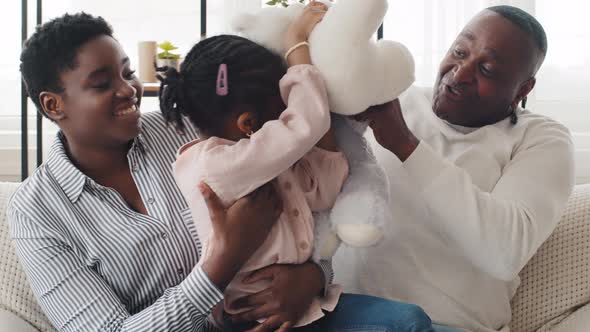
<point x="477" y="183"/>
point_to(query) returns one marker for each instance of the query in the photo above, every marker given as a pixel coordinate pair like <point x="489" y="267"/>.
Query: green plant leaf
<point x="167" y="46"/>
<point x="284" y="3"/>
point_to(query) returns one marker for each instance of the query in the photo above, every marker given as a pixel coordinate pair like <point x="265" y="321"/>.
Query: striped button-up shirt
<point x="97" y="265"/>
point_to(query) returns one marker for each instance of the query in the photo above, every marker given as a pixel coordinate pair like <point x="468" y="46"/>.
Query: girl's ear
<point x="247" y="123"/>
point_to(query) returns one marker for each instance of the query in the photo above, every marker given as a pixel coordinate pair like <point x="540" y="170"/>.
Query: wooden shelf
<point x="151" y="89"/>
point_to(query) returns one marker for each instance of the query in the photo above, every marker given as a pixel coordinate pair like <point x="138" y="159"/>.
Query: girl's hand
<point x="302" y="26"/>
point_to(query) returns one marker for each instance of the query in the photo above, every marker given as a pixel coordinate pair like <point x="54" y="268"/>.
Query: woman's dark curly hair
<point x="253" y="75"/>
<point x="53" y="48"/>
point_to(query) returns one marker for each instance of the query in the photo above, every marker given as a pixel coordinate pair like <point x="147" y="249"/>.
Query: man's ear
<point x="523" y="91"/>
<point x="247" y="123"/>
<point x="52" y="105"/>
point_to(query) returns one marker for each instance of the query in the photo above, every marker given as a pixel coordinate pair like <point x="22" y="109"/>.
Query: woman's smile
<point x="131" y="110"/>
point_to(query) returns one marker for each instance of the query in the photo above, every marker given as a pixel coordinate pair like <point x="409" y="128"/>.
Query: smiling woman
<point x="106" y="178"/>
<point x="80" y="108"/>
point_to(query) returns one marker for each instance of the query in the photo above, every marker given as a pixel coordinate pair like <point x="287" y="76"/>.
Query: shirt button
<point x="288" y="186"/>
<point x="295" y="213"/>
<point x="151" y="201"/>
<point x="164" y="235"/>
<point x="180" y="271"/>
<point x="303" y="245"/>
<point x="135" y="168"/>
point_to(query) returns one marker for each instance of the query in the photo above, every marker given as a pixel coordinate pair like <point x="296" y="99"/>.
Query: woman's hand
<point x="239" y="230"/>
<point x="283" y="303"/>
<point x="390" y="129"/>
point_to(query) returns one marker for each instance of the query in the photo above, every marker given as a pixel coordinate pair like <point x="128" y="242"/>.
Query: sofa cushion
<point x="556" y="282"/>
<point x="16" y="296"/>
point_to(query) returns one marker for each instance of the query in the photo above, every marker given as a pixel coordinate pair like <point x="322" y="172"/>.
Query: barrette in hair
<point x="222" y="88"/>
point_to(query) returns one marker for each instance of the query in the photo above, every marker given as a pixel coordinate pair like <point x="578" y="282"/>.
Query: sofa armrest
<point x="10" y="322"/>
<point x="578" y="321"/>
<point x="555" y="282"/>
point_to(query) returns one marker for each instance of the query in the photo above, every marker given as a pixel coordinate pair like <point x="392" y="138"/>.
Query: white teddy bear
<point x="359" y="72"/>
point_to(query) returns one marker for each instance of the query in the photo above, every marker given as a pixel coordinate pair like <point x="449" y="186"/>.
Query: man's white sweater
<point x="471" y="207"/>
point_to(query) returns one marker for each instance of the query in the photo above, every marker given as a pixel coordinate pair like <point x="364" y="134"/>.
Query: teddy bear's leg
<point x="326" y="241"/>
<point x="359" y="235"/>
<point x="361" y="209"/>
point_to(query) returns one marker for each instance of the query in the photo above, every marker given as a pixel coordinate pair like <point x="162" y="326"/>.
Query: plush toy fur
<point x="359" y="72"/>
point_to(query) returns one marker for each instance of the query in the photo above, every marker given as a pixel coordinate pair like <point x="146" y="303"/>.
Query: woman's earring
<point x="250" y="133"/>
<point x="524" y="100"/>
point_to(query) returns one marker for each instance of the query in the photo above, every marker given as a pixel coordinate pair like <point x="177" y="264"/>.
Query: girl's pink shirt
<point x="308" y="179"/>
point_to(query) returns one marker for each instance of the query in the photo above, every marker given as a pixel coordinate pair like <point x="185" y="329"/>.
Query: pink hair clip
<point x="222" y="88"/>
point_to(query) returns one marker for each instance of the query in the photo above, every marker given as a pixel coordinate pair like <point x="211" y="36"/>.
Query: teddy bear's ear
<point x="243" y="22"/>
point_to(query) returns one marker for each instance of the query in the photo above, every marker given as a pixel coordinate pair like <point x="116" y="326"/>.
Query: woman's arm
<point x="76" y="298"/>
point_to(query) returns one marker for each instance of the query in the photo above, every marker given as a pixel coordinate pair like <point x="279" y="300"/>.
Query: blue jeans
<point x="440" y="328"/>
<point x="363" y="313"/>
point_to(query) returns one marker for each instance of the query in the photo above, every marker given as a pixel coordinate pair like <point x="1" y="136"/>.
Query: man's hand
<point x="390" y="129"/>
<point x="291" y="291"/>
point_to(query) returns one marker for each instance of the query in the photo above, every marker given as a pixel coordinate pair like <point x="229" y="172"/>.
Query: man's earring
<point x="523" y="103"/>
<point x="513" y="116"/>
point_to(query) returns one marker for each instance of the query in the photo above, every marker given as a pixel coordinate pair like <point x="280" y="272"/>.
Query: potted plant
<point x="284" y="3"/>
<point x="166" y="57"/>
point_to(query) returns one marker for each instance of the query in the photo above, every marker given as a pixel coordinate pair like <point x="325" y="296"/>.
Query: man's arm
<point x="498" y="231"/>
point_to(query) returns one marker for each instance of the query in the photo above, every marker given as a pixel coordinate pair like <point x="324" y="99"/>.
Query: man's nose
<point x="464" y="72"/>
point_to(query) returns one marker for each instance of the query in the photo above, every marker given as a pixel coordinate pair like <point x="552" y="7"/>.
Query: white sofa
<point x="553" y="296"/>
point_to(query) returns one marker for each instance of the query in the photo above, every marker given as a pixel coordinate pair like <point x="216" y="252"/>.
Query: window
<point x="10" y="88"/>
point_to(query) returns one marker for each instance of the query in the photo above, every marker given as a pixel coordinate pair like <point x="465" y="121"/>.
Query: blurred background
<point x="426" y="27"/>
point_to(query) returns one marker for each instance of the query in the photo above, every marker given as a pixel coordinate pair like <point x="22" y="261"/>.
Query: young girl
<point x="235" y="92"/>
<point x="229" y="88"/>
